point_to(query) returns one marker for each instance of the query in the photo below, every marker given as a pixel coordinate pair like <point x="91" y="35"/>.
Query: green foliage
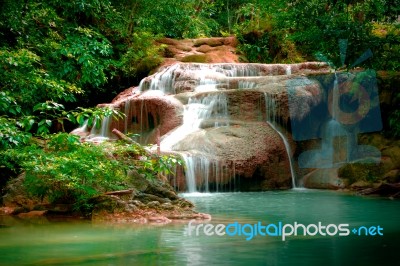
<point x="142" y="55"/>
<point x="86" y="57"/>
<point x="317" y="26"/>
<point x="93" y="116"/>
<point x="16" y="128"/>
<point x="255" y="46"/>
<point x="388" y="37"/>
<point x="261" y="35"/>
<point x="11" y="134"/>
<point x="68" y="171"/>
<point x="27" y="83"/>
<point x="150" y="165"/>
<point x="8" y="105"/>
<point x="71" y="172"/>
<point x="177" y="19"/>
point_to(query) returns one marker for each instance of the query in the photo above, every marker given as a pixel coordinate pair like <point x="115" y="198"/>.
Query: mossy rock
<point x="107" y="203"/>
<point x="138" y="181"/>
<point x="394" y="153"/>
<point x="195" y="58"/>
<point x="204" y="48"/>
<point x="148" y="64"/>
<point x="183" y="47"/>
<point x="376" y="140"/>
<point x="354" y="172"/>
<point x="170" y="52"/>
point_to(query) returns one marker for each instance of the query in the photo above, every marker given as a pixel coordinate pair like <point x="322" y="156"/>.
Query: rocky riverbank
<point x="146" y="201"/>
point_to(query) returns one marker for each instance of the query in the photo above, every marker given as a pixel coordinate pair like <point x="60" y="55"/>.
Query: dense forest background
<point x="59" y="58"/>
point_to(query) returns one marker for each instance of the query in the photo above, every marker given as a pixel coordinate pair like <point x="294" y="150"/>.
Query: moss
<point x="147" y="64"/>
<point x="354" y="172"/>
<point x="195" y="58"/>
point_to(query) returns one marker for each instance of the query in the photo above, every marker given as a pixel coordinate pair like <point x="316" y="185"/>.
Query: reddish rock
<point x="205" y="50"/>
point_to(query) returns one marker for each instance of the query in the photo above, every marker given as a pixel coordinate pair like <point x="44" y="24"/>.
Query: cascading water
<point x="272" y="119"/>
<point x="212" y="107"/>
<point x="288" y="70"/>
<point x="162" y="81"/>
<point x="127" y="110"/>
<point x="100" y="134"/>
<point x="196" y="165"/>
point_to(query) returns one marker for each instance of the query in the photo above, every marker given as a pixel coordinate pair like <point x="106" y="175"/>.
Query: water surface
<point x="39" y="242"/>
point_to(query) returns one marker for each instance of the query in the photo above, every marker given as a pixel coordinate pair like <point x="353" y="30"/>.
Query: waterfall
<point x="105" y="126"/>
<point x="288" y="70"/>
<point x="204" y="170"/>
<point x="272" y="118"/>
<point x="245" y="84"/>
<point x="162" y="81"/>
<point x="100" y="134"/>
<point x="196" y="166"/>
<point x="335" y="97"/>
<point x="127" y="111"/>
<point x="82" y="130"/>
<point x="190" y="173"/>
<point x="212" y="108"/>
<point x="333" y="151"/>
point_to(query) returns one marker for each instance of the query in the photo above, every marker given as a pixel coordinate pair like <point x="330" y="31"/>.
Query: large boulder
<point x="249" y="156"/>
